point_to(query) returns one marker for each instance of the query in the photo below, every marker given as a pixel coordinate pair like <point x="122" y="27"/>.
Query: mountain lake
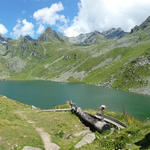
<point x="47" y="94"/>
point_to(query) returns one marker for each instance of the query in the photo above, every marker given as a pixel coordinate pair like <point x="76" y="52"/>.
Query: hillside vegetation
<point x="20" y="125"/>
<point x="111" y="59"/>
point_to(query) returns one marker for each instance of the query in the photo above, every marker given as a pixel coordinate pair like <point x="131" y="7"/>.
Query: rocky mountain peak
<point x="25" y="39"/>
<point x="114" y="33"/>
<point x="3" y="39"/>
<point x="146" y="23"/>
<point x="148" y="19"/>
<point x="143" y="26"/>
<point x="95" y="33"/>
<point x="28" y="38"/>
<point x="48" y="30"/>
<point x="49" y="35"/>
<point x="87" y="38"/>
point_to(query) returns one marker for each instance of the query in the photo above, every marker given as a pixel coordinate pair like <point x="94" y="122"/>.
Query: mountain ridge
<point x="142" y="26"/>
<point x="119" y="32"/>
<point x="50" y="34"/>
<point x="114" y="33"/>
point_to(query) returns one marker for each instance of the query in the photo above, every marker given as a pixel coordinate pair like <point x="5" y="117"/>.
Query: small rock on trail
<point x="31" y="148"/>
<point x="89" y="138"/>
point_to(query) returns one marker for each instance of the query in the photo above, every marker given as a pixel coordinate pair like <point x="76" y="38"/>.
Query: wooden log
<point x="114" y="121"/>
<point x="90" y="120"/>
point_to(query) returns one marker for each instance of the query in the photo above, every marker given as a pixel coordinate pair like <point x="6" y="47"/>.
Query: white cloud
<point x="40" y="29"/>
<point x="104" y="14"/>
<point x="23" y="28"/>
<point x="3" y="29"/>
<point x="49" y="15"/>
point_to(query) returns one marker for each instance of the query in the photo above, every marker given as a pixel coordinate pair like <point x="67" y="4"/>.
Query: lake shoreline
<point x="44" y="94"/>
<point x="138" y="91"/>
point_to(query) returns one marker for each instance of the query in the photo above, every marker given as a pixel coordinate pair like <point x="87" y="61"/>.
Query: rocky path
<point x="47" y="140"/>
<point x="44" y="135"/>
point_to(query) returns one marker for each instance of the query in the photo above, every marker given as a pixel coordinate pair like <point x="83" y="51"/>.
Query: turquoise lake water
<point x="47" y="94"/>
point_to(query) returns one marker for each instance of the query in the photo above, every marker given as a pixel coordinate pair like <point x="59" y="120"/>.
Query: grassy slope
<point x="118" y="68"/>
<point x="16" y="133"/>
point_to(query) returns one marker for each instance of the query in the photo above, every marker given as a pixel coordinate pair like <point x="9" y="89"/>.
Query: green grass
<point x="16" y="132"/>
<point x="116" y="68"/>
<point x="62" y="126"/>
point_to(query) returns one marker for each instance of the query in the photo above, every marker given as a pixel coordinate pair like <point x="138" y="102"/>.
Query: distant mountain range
<point x="93" y="37"/>
<point x="113" y="58"/>
<point x="88" y="38"/>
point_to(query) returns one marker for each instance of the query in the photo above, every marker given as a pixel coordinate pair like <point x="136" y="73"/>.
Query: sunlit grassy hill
<point x="21" y="125"/>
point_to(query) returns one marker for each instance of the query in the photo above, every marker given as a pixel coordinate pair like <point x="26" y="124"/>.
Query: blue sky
<point x="70" y="17"/>
<point x="12" y="10"/>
